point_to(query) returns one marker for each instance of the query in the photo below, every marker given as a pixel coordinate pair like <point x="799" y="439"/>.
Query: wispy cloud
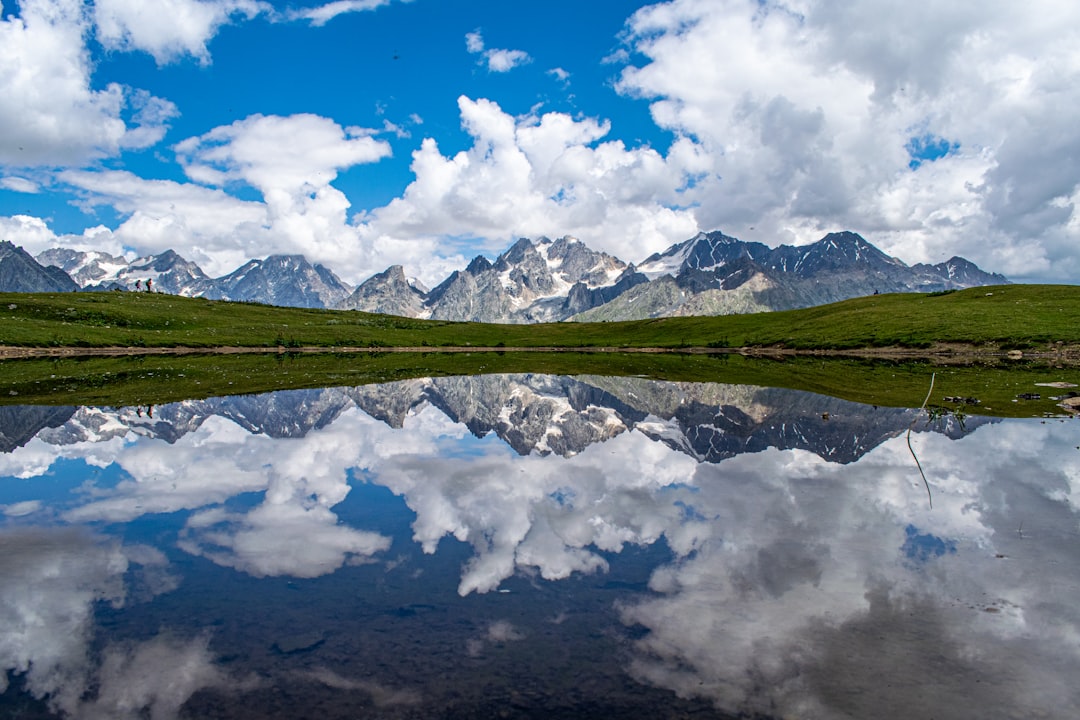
<point x="19" y="184"/>
<point x="319" y="16"/>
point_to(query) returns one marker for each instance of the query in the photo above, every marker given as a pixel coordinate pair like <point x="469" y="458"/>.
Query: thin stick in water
<point x="912" y="450"/>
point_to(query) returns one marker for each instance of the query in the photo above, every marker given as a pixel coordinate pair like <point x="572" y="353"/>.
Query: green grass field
<point x="1011" y="316"/>
<point x="159" y="379"/>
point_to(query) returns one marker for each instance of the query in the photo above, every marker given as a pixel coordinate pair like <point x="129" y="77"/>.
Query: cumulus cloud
<point x="168" y="29"/>
<point x="154" y="678"/>
<point x="272" y="152"/>
<point x="211" y="227"/>
<point x="292" y="161"/>
<point x="807" y="112"/>
<point x="51" y="115"/>
<point x="523" y="176"/>
<point x="497" y="60"/>
<point x="548" y="175"/>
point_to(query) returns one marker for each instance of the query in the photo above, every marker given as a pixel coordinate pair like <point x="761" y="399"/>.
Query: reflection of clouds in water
<point x="293" y="531"/>
<point x="278" y="538"/>
<point x="381" y="696"/>
<point x="36" y="457"/>
<point x="498" y="632"/>
<point x="50" y="581"/>
<point x="153" y="678"/>
<point x="544" y="512"/>
<point x="803" y="602"/>
<point x="795" y="584"/>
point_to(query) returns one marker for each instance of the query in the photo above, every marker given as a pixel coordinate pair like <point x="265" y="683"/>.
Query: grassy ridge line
<point x="1010" y="316"/>
<point x="159" y="379"/>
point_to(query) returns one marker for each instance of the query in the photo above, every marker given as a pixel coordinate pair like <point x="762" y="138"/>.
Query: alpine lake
<point x="539" y="545"/>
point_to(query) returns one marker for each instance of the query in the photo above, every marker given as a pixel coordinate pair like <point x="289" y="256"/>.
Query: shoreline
<point x="942" y="353"/>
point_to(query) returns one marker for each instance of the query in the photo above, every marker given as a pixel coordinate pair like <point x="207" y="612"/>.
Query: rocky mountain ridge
<point x="540" y="280"/>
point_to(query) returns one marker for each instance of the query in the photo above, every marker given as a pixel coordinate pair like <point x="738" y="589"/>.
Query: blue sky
<point x="364" y="133"/>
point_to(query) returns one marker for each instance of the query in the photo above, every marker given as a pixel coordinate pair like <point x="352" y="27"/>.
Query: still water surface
<point x="536" y="546"/>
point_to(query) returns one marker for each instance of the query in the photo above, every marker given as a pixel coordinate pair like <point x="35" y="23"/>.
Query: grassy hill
<point x="1001" y="317"/>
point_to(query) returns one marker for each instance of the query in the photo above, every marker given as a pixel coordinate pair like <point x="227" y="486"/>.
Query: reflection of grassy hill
<point x="158" y="379"/>
<point x="1011" y="316"/>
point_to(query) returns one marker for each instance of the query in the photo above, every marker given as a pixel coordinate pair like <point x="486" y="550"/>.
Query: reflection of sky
<point x="795" y="586"/>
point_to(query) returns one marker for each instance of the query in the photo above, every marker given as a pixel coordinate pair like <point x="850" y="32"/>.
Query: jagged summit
<point x="389" y="292"/>
<point x="282" y="280"/>
<point x="531" y="281"/>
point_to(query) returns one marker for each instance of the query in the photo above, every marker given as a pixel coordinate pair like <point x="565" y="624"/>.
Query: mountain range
<point x="540" y="280"/>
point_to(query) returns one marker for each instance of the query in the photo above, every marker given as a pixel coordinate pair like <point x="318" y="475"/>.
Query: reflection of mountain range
<point x="539" y="414"/>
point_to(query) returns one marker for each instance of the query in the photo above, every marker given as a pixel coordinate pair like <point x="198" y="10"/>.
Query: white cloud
<point x="154" y="678"/>
<point x="19" y="184"/>
<point x="205" y="225"/>
<point x="501" y="61"/>
<point x="550" y="175"/>
<point x="51" y="115"/>
<point x="474" y="42"/>
<point x="544" y="176"/>
<point x="322" y="14"/>
<point x="292" y="161"/>
<point x="272" y="152"/>
<point x="497" y="60"/>
<point x="806" y="110"/>
<point x="168" y="29"/>
<point x="559" y="74"/>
